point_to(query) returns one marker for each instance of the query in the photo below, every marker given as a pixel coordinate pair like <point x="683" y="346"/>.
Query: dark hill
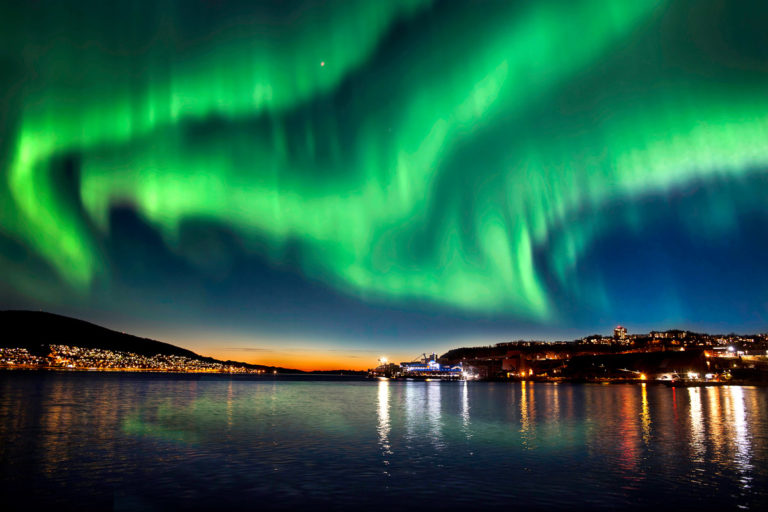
<point x="35" y="330"/>
<point x="30" y="329"/>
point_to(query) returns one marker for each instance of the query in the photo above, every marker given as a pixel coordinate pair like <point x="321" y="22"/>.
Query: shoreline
<point x="360" y="377"/>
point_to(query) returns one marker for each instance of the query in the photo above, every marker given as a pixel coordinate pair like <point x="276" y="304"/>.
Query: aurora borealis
<point x="385" y="175"/>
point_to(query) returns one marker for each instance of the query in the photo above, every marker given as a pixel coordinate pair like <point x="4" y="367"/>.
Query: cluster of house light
<point x="66" y="356"/>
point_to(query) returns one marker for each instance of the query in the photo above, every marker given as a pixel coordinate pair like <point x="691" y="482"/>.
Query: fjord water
<point x="154" y="442"/>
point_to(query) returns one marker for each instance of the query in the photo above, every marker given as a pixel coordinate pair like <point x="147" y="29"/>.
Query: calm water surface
<point x="153" y="442"/>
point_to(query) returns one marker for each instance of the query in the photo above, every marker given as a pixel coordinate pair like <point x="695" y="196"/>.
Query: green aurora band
<point x="437" y="174"/>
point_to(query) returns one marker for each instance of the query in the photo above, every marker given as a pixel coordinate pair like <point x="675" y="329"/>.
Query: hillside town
<point x="672" y="356"/>
<point x="67" y="357"/>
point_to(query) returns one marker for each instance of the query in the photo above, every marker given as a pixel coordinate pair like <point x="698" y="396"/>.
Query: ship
<point x="421" y="368"/>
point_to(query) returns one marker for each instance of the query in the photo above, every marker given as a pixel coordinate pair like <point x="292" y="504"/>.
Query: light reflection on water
<point x="434" y="418"/>
<point x="465" y="409"/>
<point x="645" y="416"/>
<point x="383" y="428"/>
<point x="697" y="425"/>
<point x="135" y="442"/>
<point x="555" y="405"/>
<point x="525" y="420"/>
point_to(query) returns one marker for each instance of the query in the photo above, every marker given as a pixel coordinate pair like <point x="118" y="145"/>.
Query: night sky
<point x="316" y="184"/>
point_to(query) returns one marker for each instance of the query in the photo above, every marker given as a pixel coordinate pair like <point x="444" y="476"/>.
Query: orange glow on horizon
<point x="306" y="361"/>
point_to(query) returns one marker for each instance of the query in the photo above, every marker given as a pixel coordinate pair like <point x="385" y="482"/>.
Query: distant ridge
<point x="35" y="330"/>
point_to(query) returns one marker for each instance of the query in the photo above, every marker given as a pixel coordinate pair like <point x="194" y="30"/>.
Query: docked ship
<point x="422" y="368"/>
